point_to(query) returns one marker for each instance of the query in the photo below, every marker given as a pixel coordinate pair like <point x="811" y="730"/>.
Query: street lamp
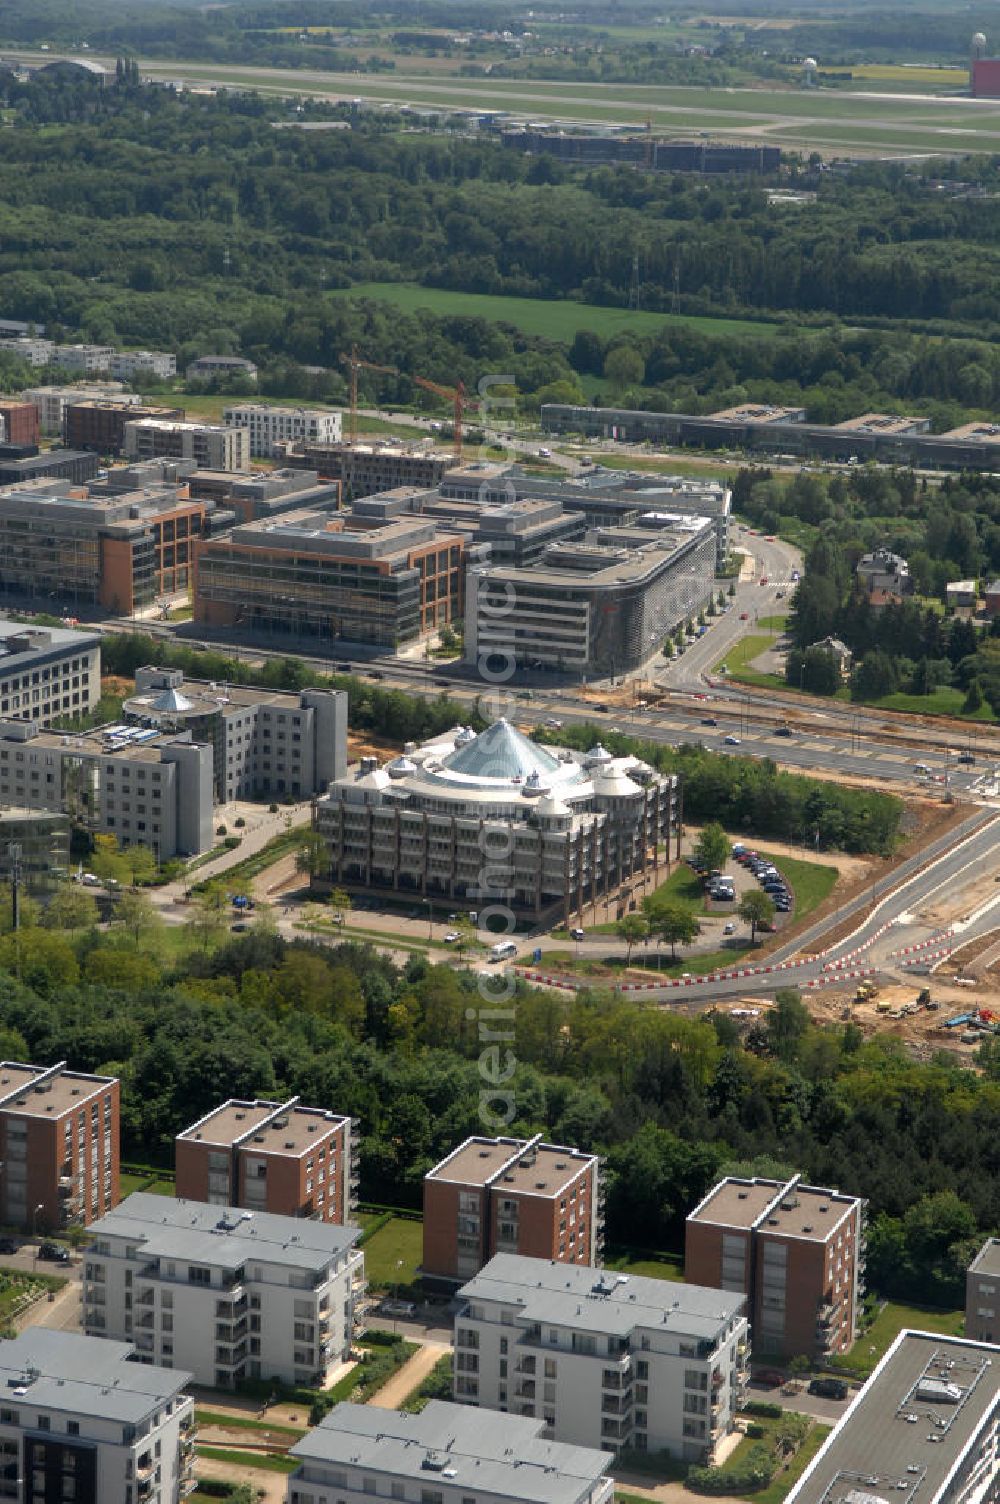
<point x="430" y="918"/>
<point x="34" y="1228"/>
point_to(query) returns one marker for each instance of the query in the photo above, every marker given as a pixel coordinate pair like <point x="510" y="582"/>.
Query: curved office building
<point x="497" y="818"/>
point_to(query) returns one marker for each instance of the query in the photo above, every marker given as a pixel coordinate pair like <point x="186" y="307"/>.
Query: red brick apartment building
<point x="100" y="426"/>
<point x="19" y="423"/>
<point x="59" y="1146"/>
<point x="796" y="1251"/>
<point x="511" y="1195"/>
<point x="271" y="1157"/>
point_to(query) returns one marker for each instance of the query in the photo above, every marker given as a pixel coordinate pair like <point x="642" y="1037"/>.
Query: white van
<point x="504" y="951"/>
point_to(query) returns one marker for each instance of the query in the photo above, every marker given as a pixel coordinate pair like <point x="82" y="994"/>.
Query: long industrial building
<point x="973" y="446"/>
<point x="644" y="151"/>
<point x="559" y="829"/>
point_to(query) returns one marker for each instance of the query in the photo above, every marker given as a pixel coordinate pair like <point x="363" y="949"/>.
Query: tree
<point x="787" y="1023"/>
<point x="70" y="908"/>
<point x="624" y="367"/>
<point x="141" y="863"/>
<point x="673" y="923"/>
<point x="755" y="908"/>
<point x="108" y="861"/>
<point x="340" y="902"/>
<point x="136" y="915"/>
<point x="468" y="938"/>
<point x="29" y="909"/>
<point x="712" y="847"/>
<point x="311" y="857"/>
<point x="632" y="929"/>
<point x="973" y="701"/>
<point x="208" y="916"/>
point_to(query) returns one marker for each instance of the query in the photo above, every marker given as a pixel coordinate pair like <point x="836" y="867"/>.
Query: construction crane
<point x="456" y="396"/>
<point x="355" y="364"/>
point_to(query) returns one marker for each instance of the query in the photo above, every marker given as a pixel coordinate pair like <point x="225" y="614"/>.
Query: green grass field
<point x="811" y="882"/>
<point x="552" y="319"/>
<point x="651" y="1266"/>
<point x="872" y="1345"/>
<point x="875" y="121"/>
<point x="393" y="1254"/>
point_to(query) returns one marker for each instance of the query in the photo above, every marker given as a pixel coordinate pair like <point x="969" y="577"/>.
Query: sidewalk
<point x="412" y="1373"/>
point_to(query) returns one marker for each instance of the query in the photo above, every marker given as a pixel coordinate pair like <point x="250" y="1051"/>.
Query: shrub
<point x="753" y="1473"/>
<point x="766" y="1409"/>
<point x="755" y="1430"/>
<point x="239" y="822"/>
<point x="220" y="830"/>
<point x="272" y="809"/>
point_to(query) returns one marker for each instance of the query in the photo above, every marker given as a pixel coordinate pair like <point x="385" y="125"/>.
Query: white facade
<point x="80" y="1421"/>
<point x="52" y="401"/>
<point x="129" y="363"/>
<point x="48" y="672"/>
<point x="269" y="426"/>
<point x="229" y="1294"/>
<point x="443" y="1455"/>
<point x="85" y="358"/>
<point x="210" y="445"/>
<point x="557" y="826"/>
<point x="606" y="1360"/>
<point x="37" y="352"/>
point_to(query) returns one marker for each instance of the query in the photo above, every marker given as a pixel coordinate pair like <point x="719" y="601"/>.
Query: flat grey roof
<point x="265" y="1127"/>
<point x="876" y="1450"/>
<point x="987" y="1260"/>
<point x="781" y="1207"/>
<point x="476" y="1161"/>
<point x="226" y="1236"/>
<point x="579" y="1296"/>
<point x="80" y="1375"/>
<point x="490" y="1452"/>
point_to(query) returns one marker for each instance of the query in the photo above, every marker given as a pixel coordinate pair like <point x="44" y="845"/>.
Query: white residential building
<point x="80" y="1420"/>
<point x="128" y="363"/>
<point x="52" y="401"/>
<point x="269" y="425"/>
<point x="229" y="1294"/>
<point x="212" y="446"/>
<point x="606" y="1360"/>
<point x="37" y="352"/>
<point x="443" y="1455"/>
<point x="925" y="1429"/>
<point x="85" y="358"/>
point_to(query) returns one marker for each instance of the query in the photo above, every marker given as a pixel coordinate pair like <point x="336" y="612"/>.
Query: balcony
<point x="525" y="1365"/>
<point x="525" y="1389"/>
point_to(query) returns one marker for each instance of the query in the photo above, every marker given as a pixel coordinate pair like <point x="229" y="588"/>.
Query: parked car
<point x="772" y="1377"/>
<point x="831" y="1389"/>
<point x="783" y="731"/>
<point x="966" y="757"/>
<point x="451" y="937"/>
<point x="731" y="741"/>
<point x="729" y="929"/>
<point x="8" y="1245"/>
<point x="576" y="934"/>
<point x="54" y="1252"/>
<point x="709" y="720"/>
<point x="398" y="1308"/>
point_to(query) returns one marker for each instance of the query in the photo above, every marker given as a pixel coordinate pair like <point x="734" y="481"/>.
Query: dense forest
<point x="669" y="1099"/>
<point x="144" y="218"/>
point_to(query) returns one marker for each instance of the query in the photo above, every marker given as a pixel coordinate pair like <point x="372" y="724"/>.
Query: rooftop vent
<point x="742" y="1195"/>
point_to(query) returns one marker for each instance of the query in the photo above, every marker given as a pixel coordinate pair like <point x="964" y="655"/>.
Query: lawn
<point x="648" y="1265"/>
<point x="715" y="960"/>
<point x="247" y="1423"/>
<point x="268" y="1462"/>
<point x="780" y="1486"/>
<point x="551" y="319"/>
<point x="943" y="701"/>
<point x="893" y="1318"/>
<point x="393" y="1254"/>
<point x="811" y="882"/>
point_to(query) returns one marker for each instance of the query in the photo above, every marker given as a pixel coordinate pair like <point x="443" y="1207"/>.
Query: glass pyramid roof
<point x="501" y="751"/>
<point x="172" y="699"/>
